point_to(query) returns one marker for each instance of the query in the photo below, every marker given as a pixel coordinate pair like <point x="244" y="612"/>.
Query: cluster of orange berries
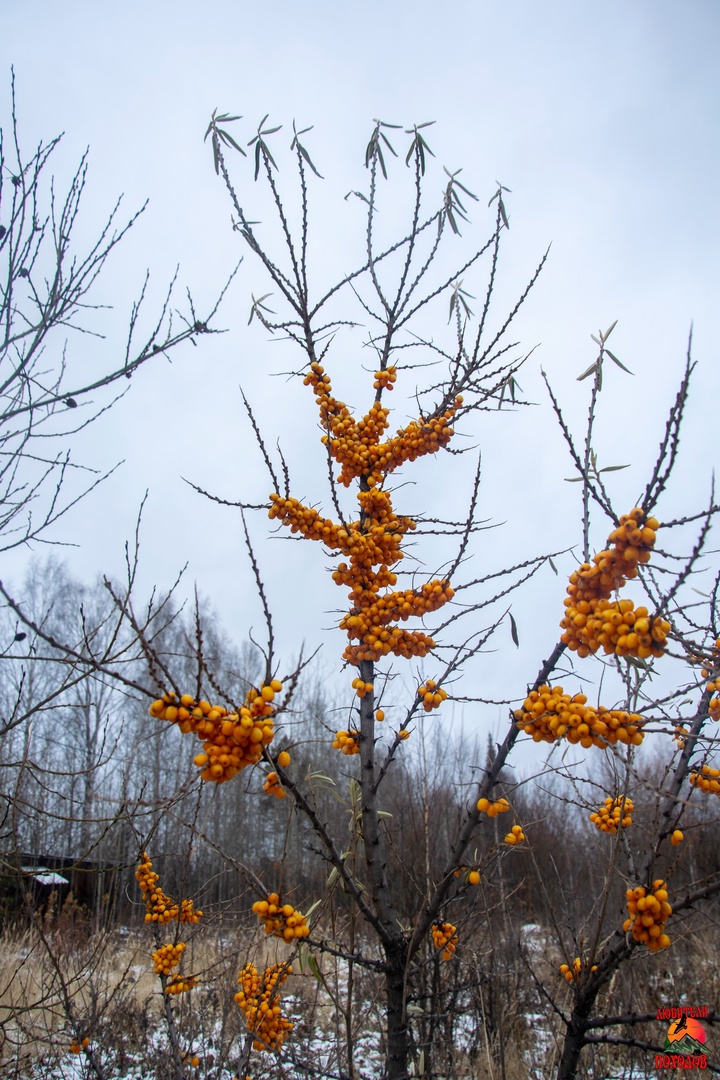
<point x="375" y="540"/>
<point x="160" y="908"/>
<point x="385" y="380"/>
<point x="180" y="984"/>
<point x="231" y="741"/>
<point x="515" y="836"/>
<point x="614" y="813"/>
<point x="574" y="971"/>
<point x="272" y="786"/>
<point x="281" y="920"/>
<point x="549" y="714"/>
<point x="649" y="912"/>
<point x="188" y="914"/>
<point x="708" y="780"/>
<point x="362" y="688"/>
<point x="445" y="938"/>
<point x="681" y="734"/>
<point x="617" y="626"/>
<point x="310" y="523"/>
<point x="714" y="684"/>
<point x="383" y="525"/>
<point x="492" y="809"/>
<point x="167" y="957"/>
<point x="632" y="543"/>
<point x="424" y="436"/>
<point x="379" y="611"/>
<point x="371" y="615"/>
<point x="356" y="446"/>
<point x="259" y="1000"/>
<point x="77" y="1047"/>
<point x="432" y="698"/>
<point x="347" y="741"/>
<point x="591" y="619"/>
<point x="710" y="666"/>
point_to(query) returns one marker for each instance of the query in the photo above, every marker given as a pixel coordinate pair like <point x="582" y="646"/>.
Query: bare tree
<point x="47" y="288"/>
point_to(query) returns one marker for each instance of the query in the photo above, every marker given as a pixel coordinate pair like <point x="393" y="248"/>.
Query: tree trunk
<point x="398" y="1041"/>
<point x="394" y="944"/>
<point x="575" y="1038"/>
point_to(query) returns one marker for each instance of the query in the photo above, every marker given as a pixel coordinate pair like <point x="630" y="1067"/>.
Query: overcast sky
<point x="602" y="119"/>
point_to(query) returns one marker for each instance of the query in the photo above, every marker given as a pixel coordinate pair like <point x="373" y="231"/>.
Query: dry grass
<point x="60" y="982"/>
<point x="63" y="983"/>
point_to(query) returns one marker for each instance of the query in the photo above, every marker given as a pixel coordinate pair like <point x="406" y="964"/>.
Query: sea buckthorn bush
<point x="394" y="833"/>
<point x="626" y="621"/>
